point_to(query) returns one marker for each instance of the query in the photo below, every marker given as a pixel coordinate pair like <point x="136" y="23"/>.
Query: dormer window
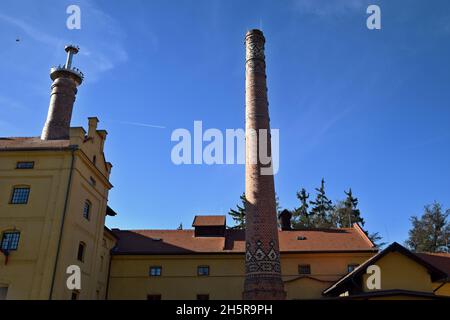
<point x="209" y="226"/>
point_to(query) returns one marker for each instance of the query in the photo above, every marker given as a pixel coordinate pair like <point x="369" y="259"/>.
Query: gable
<point x="399" y="271"/>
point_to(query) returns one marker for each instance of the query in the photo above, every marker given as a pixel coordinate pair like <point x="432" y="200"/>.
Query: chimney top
<point x="72" y="48"/>
<point x="255" y="31"/>
<point x="67" y="70"/>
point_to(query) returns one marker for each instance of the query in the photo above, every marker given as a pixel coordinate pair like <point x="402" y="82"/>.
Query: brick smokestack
<point x="64" y="89"/>
<point x="262" y="257"/>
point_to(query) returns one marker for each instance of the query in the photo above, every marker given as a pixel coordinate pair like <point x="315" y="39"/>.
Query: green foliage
<point x="376" y="238"/>
<point x="346" y="212"/>
<point x="300" y="216"/>
<point x="238" y="214"/>
<point x="324" y="214"/>
<point x="430" y="232"/>
<point x="322" y="209"/>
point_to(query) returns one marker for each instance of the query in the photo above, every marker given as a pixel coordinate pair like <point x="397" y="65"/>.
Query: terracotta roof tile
<point x="26" y="143"/>
<point x="184" y="241"/>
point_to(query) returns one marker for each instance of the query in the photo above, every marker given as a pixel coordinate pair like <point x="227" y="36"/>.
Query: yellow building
<point x="52" y="214"/>
<point x="402" y="275"/>
<point x="207" y="262"/>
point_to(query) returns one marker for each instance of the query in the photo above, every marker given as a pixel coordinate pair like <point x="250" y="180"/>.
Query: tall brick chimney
<point x="262" y="257"/>
<point x="64" y="89"/>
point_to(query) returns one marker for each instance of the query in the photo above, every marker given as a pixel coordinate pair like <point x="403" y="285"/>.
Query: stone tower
<point x="64" y="89"/>
<point x="262" y="257"/>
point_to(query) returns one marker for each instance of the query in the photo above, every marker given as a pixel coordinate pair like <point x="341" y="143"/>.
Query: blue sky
<point x="363" y="109"/>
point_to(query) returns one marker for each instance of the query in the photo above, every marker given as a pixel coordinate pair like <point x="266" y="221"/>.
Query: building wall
<point x="179" y="280"/>
<point x="30" y="270"/>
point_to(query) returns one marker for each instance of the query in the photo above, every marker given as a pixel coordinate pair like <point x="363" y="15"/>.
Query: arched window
<point x="87" y="210"/>
<point x="10" y="240"/>
<point x="81" y="250"/>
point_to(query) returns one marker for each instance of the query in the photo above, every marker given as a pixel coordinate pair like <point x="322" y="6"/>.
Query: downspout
<point x="62" y="222"/>
<point x="109" y="274"/>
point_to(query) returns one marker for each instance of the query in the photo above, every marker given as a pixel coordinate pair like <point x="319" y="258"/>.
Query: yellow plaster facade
<point x="179" y="280"/>
<point x="51" y="223"/>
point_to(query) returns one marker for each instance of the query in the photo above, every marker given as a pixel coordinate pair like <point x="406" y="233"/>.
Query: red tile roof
<point x="209" y="221"/>
<point x="184" y="241"/>
<point x="26" y="143"/>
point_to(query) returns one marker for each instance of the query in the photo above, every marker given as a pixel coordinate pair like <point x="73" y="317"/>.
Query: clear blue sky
<point x="363" y="109"/>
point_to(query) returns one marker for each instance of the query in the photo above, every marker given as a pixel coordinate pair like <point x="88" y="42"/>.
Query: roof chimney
<point x="92" y="122"/>
<point x="64" y="89"/>
<point x="285" y="220"/>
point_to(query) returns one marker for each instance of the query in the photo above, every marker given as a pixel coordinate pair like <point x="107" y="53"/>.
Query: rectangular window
<point x="203" y="270"/>
<point x="203" y="297"/>
<point x="10" y="240"/>
<point x="80" y="254"/>
<point x="87" y="209"/>
<point x="351" y="267"/>
<point x="154" y="297"/>
<point x="20" y="195"/>
<point x="155" y="271"/>
<point x="25" y="165"/>
<point x="304" y="269"/>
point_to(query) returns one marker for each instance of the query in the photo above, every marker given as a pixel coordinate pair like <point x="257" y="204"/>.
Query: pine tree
<point x="430" y="232"/>
<point x="346" y="212"/>
<point x="322" y="209"/>
<point x="300" y="216"/>
<point x="376" y="238"/>
<point x="238" y="215"/>
<point x="277" y="204"/>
